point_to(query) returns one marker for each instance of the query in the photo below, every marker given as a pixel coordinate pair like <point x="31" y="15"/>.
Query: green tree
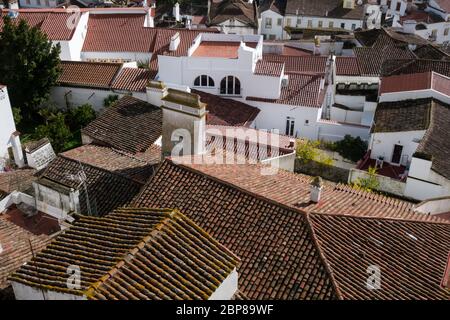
<point x="308" y="151"/>
<point x="80" y="116"/>
<point x="351" y="148"/>
<point x="29" y="65"/>
<point x="55" y="129"/>
<point x="110" y="100"/>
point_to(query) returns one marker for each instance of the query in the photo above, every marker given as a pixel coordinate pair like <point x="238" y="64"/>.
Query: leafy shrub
<point x="351" y="148"/>
<point x="370" y="183"/>
<point x="80" y="116"/>
<point x="55" y="130"/>
<point x="109" y="100"/>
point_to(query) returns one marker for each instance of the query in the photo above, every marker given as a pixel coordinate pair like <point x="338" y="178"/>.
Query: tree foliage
<point x="56" y="130"/>
<point x="308" y="150"/>
<point x="80" y="116"/>
<point x="351" y="148"/>
<point x="29" y="65"/>
<point x="368" y="183"/>
<point x="109" y="100"/>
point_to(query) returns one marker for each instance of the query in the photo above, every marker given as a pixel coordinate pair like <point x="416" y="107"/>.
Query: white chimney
<point x="176" y="12"/>
<point x="174" y="42"/>
<point x="316" y="187"/>
<point x="184" y="123"/>
<point x="409" y="26"/>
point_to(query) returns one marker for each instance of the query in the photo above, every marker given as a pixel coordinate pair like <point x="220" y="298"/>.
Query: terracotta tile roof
<point x="409" y="115"/>
<point x="88" y="74"/>
<point x="347" y="66"/>
<point x="269" y="68"/>
<point x="240" y="10"/>
<point x="133" y="79"/>
<point x="129" y="34"/>
<point x="411" y="256"/>
<point x="286" y="252"/>
<point x="130" y="125"/>
<point x="302" y="90"/>
<point x="300" y="64"/>
<point x="20" y="180"/>
<point x="420" y="114"/>
<point x="106" y="190"/>
<point x="137" y="167"/>
<point x="16" y="241"/>
<point x="435" y="143"/>
<point x="293" y="190"/>
<point x="279" y="259"/>
<point x="386" y="44"/>
<point x="52" y="23"/>
<point x="133" y="254"/>
<point x="421" y="16"/>
<point x="407" y="66"/>
<point x="443" y="4"/>
<point x="324" y="8"/>
<point x="415" y="82"/>
<point x="254" y="146"/>
<point x="293" y="51"/>
<point x="228" y="112"/>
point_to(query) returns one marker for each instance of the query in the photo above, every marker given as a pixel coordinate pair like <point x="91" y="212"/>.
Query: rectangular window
<point x="331" y="24"/>
<point x="38" y="2"/>
<point x="299" y="22"/>
<point x="320" y="23"/>
<point x="47" y="3"/>
<point x="446" y="31"/>
<point x="399" y="6"/>
<point x="353" y="26"/>
<point x="343" y="25"/>
<point x="268" y="23"/>
<point x="290" y="125"/>
<point x="279" y="22"/>
<point x="28" y="2"/>
<point x="310" y="23"/>
<point x="288" y="22"/>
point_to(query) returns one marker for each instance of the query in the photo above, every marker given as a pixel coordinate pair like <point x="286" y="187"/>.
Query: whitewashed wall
<point x="329" y="131"/>
<point x="382" y="143"/>
<point x="78" y="96"/>
<point x="24" y="292"/>
<point x="227" y="288"/>
<point x="115" y="56"/>
<point x="7" y="125"/>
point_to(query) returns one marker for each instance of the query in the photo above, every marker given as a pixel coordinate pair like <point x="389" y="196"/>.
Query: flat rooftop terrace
<point x="220" y="49"/>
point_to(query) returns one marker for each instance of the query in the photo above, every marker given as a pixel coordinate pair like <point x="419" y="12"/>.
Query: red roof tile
<point x="52" y="23"/>
<point x="228" y="112"/>
<point x="347" y="66"/>
<point x="88" y="74"/>
<point x="19" y="242"/>
<point x="302" y="90"/>
<point x="415" y="82"/>
<point x="269" y="68"/>
<point x="133" y="254"/>
<point x="133" y="79"/>
<point x="129" y="33"/>
<point x="300" y="64"/>
<point x="138" y="167"/>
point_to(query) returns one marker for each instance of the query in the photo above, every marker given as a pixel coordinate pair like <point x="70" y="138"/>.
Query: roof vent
<point x="174" y="42"/>
<point x="316" y="187"/>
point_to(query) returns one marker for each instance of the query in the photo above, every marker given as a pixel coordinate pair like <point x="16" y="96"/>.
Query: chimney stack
<point x="176" y="12"/>
<point x="174" y="42"/>
<point x="184" y="123"/>
<point x="316" y="187"/>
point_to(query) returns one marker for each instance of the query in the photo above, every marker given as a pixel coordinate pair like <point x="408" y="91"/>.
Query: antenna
<point x="81" y="177"/>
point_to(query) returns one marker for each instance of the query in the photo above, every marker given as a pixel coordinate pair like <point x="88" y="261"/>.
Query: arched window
<point x="230" y="85"/>
<point x="203" y="81"/>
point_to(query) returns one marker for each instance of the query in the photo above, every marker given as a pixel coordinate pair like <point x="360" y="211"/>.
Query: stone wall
<point x="314" y="168"/>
